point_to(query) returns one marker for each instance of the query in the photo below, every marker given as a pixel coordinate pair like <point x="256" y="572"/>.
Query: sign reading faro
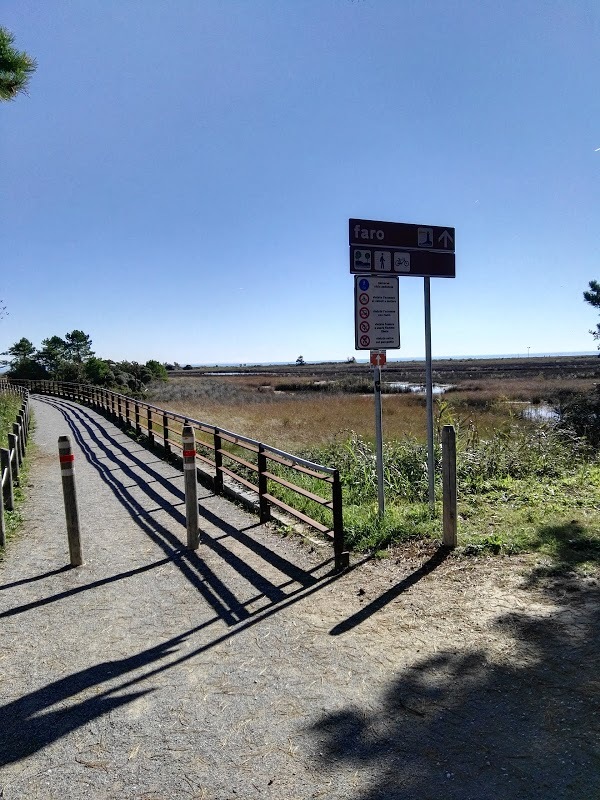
<point x="401" y="248"/>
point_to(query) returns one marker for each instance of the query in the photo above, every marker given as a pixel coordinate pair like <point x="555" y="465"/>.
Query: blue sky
<point x="179" y="180"/>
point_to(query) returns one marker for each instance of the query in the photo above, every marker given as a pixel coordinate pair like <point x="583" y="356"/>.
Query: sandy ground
<point x="247" y="669"/>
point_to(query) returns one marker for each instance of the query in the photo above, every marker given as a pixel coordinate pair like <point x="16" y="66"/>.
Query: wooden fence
<point x="278" y="478"/>
<point x="11" y="457"/>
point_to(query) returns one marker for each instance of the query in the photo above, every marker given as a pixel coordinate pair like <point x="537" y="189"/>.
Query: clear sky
<point x="179" y="180"/>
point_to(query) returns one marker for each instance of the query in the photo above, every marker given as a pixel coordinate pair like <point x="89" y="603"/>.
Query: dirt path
<point x="246" y="670"/>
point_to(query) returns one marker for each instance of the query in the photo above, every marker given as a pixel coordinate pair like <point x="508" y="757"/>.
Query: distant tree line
<point x="72" y="359"/>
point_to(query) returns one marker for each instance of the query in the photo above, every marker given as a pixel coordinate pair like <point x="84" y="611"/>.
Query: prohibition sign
<point x="363" y="299"/>
<point x="364" y="326"/>
<point x="365" y="341"/>
<point x="364" y="313"/>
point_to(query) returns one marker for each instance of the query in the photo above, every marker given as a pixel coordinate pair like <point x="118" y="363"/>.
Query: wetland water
<point x="417" y="388"/>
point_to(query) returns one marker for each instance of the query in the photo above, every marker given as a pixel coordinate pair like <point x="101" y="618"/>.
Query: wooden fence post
<point x="67" y="473"/>
<point x="150" y="431"/>
<point x="13" y="447"/>
<point x="22" y="436"/>
<point x="5" y="465"/>
<point x="2" y="522"/>
<point x="342" y="557"/>
<point x="18" y="443"/>
<point x="449" y="484"/>
<point x="263" y="503"/>
<point x="166" y="434"/>
<point x="188" y="440"/>
<point x="218" y="481"/>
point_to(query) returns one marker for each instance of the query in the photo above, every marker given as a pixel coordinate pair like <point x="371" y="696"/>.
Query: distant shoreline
<point x="410" y="359"/>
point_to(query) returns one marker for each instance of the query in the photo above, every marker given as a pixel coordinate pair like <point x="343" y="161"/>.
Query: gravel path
<point x="247" y="670"/>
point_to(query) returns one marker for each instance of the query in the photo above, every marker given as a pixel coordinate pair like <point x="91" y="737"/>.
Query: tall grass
<point x="518" y="460"/>
<point x="9" y="408"/>
<point x="10" y="405"/>
<point x="515" y="477"/>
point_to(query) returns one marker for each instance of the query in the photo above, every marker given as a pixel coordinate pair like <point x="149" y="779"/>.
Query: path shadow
<point x="102" y="451"/>
<point x="570" y="544"/>
<point x="28" y="725"/>
<point x="460" y="725"/>
<point x="33" y="721"/>
<point x="49" y="574"/>
<point x="44" y="601"/>
<point x="380" y="602"/>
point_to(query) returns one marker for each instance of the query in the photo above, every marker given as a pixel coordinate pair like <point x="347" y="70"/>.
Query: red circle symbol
<point x="364" y="326"/>
<point x="364" y="313"/>
<point x="365" y="341"/>
<point x="363" y="299"/>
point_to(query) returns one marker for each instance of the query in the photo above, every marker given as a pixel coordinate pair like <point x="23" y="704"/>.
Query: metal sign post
<point x="380" y="250"/>
<point x="429" y="395"/>
<point x="379" y="441"/>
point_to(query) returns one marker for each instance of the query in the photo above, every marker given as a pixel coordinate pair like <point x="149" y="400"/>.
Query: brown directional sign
<point x="399" y="248"/>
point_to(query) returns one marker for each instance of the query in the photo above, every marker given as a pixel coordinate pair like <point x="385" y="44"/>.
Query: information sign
<point x="399" y="248"/>
<point x="376" y="313"/>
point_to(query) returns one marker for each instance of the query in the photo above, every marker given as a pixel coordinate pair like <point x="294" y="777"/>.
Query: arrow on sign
<point x="377" y="358"/>
<point x="445" y="238"/>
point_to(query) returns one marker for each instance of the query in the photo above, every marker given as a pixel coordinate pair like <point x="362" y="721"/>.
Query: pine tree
<point x="593" y="298"/>
<point x="16" y="68"/>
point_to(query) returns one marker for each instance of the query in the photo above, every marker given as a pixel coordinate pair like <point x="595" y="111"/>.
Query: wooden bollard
<point x="449" y="484"/>
<point x="191" y="487"/>
<point x="67" y="471"/>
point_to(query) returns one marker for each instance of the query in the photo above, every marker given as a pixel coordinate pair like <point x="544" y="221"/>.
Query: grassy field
<point x="523" y="485"/>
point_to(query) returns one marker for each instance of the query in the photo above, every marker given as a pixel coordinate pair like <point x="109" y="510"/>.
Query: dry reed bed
<point x="251" y="405"/>
<point x="301" y="421"/>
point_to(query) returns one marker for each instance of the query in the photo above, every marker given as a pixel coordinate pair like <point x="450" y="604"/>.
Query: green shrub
<point x="580" y="412"/>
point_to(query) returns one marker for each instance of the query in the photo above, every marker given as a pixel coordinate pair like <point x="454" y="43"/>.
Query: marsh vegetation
<point x="524" y="483"/>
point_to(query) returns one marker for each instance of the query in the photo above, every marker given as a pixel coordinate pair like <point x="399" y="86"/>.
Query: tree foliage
<point x="78" y="346"/>
<point x="592" y="296"/>
<point x="72" y="359"/>
<point x="16" y="68"/>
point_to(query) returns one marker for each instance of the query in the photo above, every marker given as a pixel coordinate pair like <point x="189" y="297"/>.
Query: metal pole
<point x="379" y="440"/>
<point x="429" y="394"/>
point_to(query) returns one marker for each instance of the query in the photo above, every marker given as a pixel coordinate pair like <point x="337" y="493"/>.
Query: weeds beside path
<point x="248" y="670"/>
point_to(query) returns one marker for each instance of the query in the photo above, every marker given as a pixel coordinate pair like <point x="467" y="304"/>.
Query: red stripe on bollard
<point x="66" y="459"/>
<point x="189" y="453"/>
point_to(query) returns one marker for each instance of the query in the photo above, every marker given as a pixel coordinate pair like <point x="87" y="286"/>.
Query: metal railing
<point x="279" y="479"/>
<point x="11" y="457"/>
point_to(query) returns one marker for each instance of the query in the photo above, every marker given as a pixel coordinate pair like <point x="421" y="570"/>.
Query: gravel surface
<point x="248" y="670"/>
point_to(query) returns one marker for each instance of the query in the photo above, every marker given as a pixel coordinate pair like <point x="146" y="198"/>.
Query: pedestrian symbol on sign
<point x="383" y="261"/>
<point x="363" y="285"/>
